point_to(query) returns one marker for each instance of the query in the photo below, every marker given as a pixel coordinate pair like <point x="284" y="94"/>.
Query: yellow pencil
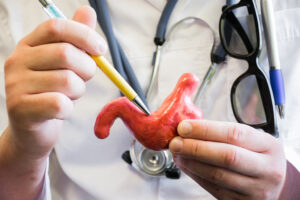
<point x="53" y="12"/>
<point x="120" y="82"/>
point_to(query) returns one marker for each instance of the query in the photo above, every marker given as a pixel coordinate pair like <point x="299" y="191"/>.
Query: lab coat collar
<point x="160" y="4"/>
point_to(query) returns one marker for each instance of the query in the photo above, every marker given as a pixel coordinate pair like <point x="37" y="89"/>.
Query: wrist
<point x="31" y="146"/>
<point x="15" y="157"/>
<point x="20" y="175"/>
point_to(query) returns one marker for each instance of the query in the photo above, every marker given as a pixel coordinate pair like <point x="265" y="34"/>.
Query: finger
<point x="213" y="189"/>
<point x="226" y="132"/>
<point x="60" y="30"/>
<point x="219" y="176"/>
<point x="86" y="15"/>
<point x="219" y="154"/>
<point x="64" y="81"/>
<point x="40" y="107"/>
<point x="60" y="56"/>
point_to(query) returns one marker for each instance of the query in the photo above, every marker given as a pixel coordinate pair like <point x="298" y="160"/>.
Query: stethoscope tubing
<point x="122" y="64"/>
<point x="119" y="58"/>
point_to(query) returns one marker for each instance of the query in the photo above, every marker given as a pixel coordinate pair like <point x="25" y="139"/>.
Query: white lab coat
<point x="84" y="167"/>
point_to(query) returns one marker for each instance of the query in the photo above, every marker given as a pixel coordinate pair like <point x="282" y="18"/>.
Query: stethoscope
<point x="154" y="163"/>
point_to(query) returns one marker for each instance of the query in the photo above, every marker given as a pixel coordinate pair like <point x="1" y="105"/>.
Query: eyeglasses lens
<point x="248" y="101"/>
<point x="239" y="32"/>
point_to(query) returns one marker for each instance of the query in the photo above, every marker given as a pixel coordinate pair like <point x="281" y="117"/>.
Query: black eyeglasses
<point x="251" y="96"/>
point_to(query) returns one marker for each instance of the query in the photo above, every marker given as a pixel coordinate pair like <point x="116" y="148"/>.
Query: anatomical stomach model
<point x="156" y="130"/>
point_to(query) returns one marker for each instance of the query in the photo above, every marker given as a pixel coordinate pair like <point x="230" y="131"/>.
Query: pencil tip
<point x="139" y="103"/>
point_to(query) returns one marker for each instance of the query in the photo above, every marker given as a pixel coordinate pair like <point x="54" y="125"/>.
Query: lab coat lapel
<point x="158" y="4"/>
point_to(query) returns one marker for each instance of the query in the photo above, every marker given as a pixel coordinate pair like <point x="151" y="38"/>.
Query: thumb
<point x="86" y="15"/>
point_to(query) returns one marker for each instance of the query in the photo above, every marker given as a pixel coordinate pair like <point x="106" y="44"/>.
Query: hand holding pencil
<point x="43" y="76"/>
<point x="53" y="12"/>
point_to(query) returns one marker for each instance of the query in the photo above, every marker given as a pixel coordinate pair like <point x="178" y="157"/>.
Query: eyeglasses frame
<point x="270" y="125"/>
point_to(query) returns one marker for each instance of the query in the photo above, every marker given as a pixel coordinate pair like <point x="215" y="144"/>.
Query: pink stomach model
<point x="156" y="130"/>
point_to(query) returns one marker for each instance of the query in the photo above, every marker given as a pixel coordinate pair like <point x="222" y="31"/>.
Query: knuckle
<point x="64" y="52"/>
<point x="234" y="133"/>
<point x="58" y="104"/>
<point x="12" y="104"/>
<point x="205" y="129"/>
<point x="21" y="42"/>
<point x="67" y="79"/>
<point x="91" y="40"/>
<point x="53" y="27"/>
<point x="277" y="176"/>
<point x="13" y="78"/>
<point x="10" y="84"/>
<point x="217" y="176"/>
<point x="196" y="149"/>
<point x="10" y="62"/>
<point x="230" y="158"/>
<point x="74" y="86"/>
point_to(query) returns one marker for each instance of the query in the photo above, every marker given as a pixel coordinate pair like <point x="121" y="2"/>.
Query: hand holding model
<point x="230" y="160"/>
<point x="157" y="130"/>
<point x="43" y="76"/>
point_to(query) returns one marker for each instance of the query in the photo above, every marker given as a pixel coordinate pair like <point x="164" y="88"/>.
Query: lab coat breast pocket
<point x="287" y="22"/>
<point x="288" y="35"/>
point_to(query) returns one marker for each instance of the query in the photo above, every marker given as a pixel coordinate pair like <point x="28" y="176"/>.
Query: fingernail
<point x="184" y="128"/>
<point x="176" y="145"/>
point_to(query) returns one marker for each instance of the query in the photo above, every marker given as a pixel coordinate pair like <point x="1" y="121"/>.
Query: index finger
<point x="226" y="132"/>
<point x="61" y="30"/>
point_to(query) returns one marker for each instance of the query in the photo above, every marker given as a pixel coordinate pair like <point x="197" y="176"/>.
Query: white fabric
<point x="87" y="168"/>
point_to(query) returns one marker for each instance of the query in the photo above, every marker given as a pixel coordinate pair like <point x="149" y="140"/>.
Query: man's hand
<point x="230" y="160"/>
<point x="43" y="76"/>
<point x="47" y="71"/>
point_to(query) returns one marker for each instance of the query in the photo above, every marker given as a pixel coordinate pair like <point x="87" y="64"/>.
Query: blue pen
<point x="276" y="78"/>
<point x="51" y="9"/>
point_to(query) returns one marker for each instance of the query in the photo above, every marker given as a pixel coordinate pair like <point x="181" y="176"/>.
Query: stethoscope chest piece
<point x="153" y="163"/>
